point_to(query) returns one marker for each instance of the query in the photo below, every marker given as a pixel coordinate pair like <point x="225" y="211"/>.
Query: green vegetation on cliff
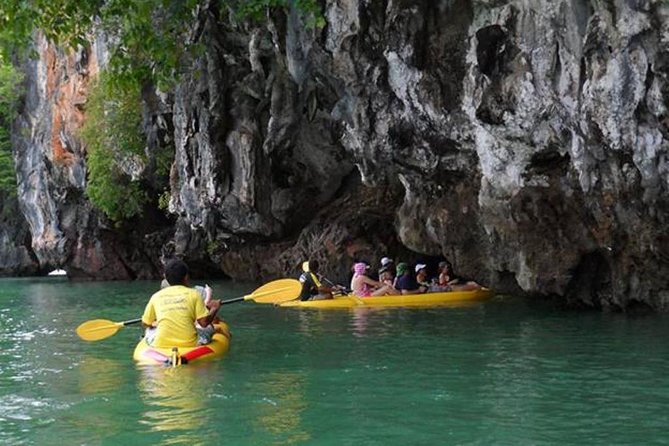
<point x="115" y="145"/>
<point x="150" y="42"/>
<point x="148" y="38"/>
<point x="9" y="93"/>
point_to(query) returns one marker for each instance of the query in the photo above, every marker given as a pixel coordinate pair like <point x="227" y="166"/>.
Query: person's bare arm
<point x="371" y="282"/>
<point x="214" y="305"/>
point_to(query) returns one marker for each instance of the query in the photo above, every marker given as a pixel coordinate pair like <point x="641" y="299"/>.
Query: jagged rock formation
<point x="525" y="141"/>
<point x="66" y="230"/>
<point x="16" y="257"/>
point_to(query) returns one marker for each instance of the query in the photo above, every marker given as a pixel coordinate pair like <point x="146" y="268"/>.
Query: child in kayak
<point x="363" y="286"/>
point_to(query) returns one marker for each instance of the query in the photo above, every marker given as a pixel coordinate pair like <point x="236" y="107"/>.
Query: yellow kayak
<point x="220" y="343"/>
<point x="399" y="300"/>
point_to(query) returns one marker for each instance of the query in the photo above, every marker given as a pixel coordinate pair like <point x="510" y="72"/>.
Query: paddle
<point x="98" y="329"/>
<point x="273" y="292"/>
<point x="339" y="290"/>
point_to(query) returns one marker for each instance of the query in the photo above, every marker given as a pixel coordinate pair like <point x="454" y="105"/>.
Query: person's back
<point x="175" y="308"/>
<point x="406" y="283"/>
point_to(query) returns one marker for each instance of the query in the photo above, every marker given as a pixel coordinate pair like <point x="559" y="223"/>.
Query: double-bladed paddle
<point x="275" y="292"/>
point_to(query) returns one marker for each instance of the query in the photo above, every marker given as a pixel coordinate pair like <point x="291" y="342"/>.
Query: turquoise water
<point x="505" y="372"/>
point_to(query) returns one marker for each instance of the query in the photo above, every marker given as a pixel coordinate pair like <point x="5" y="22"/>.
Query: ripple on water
<point x="17" y="407"/>
<point x="20" y="415"/>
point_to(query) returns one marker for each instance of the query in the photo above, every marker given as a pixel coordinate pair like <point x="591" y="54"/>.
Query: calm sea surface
<point x="505" y="372"/>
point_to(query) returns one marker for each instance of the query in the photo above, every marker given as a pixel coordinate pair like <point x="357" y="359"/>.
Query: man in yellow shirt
<point x="176" y="309"/>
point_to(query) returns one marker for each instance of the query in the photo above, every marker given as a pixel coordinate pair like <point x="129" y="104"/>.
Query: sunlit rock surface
<point x="66" y="230"/>
<point x="525" y="141"/>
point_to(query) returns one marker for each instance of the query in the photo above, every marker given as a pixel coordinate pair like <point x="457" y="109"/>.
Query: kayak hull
<point x="219" y="345"/>
<point x="447" y="298"/>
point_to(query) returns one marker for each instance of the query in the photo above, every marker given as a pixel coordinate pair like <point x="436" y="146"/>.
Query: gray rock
<point x="526" y="141"/>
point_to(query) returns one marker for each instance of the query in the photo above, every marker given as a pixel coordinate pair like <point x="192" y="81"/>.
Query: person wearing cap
<point x="386" y="277"/>
<point x="312" y="288"/>
<point x="406" y="281"/>
<point x="421" y="276"/>
<point x="363" y="286"/>
<point x="388" y="263"/>
<point x="387" y="269"/>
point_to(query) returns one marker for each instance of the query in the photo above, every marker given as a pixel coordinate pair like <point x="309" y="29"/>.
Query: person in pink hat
<point x="363" y="286"/>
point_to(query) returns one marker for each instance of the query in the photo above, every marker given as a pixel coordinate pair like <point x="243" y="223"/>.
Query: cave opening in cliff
<point x="57" y="273"/>
<point x="591" y="283"/>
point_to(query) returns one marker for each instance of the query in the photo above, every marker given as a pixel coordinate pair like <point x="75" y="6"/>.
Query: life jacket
<point x="315" y="279"/>
<point x="305" y="268"/>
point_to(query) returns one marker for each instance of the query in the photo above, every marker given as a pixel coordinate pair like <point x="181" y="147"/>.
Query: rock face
<point x="526" y="141"/>
<point x="16" y="257"/>
<point x="66" y="231"/>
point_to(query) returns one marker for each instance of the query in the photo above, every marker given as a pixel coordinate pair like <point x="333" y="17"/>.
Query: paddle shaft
<point x="243" y="298"/>
<point x="333" y="285"/>
<point x="131" y="321"/>
<point x="138" y="320"/>
<point x="223" y="302"/>
<point x="231" y="301"/>
<point x="98" y="329"/>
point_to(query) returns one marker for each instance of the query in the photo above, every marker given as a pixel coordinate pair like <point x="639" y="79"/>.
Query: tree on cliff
<point x="150" y="42"/>
<point x="9" y="81"/>
<point x="149" y="36"/>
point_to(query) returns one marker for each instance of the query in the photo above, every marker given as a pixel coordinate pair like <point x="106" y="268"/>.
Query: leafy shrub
<point x="113" y="137"/>
<point x="10" y="79"/>
<point x="149" y="38"/>
<point x="164" y="200"/>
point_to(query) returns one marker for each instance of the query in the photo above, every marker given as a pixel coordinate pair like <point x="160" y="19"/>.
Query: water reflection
<point x="360" y="321"/>
<point x="282" y="416"/>
<point x="175" y="399"/>
<point x="100" y="375"/>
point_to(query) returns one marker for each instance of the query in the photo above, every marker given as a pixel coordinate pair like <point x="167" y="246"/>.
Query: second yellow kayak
<point x="400" y="300"/>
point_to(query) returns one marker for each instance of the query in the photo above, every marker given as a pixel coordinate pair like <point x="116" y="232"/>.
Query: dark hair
<point x="313" y="265"/>
<point x="175" y="272"/>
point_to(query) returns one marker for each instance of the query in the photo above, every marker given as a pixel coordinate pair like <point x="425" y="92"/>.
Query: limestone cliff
<point x="526" y="141"/>
<point x="16" y="257"/>
<point x="66" y="230"/>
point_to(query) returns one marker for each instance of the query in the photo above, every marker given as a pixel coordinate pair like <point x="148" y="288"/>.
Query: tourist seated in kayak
<point x="388" y="270"/>
<point x="312" y="288"/>
<point x="204" y="334"/>
<point x="451" y="282"/>
<point x="387" y="277"/>
<point x="406" y="281"/>
<point x="175" y="310"/>
<point x="389" y="265"/>
<point x="364" y="286"/>
<point x="421" y="276"/>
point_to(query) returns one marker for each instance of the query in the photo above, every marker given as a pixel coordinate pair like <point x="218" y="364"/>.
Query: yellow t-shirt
<point x="176" y="309"/>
